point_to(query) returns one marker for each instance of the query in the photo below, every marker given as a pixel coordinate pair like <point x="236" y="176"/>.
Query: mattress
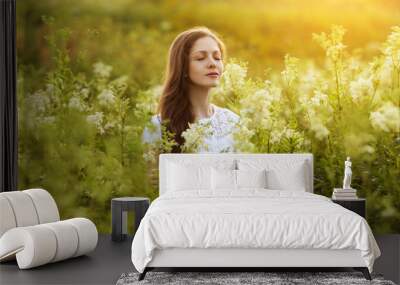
<point x="250" y="219"/>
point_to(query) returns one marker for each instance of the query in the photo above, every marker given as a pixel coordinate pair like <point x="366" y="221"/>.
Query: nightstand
<point x="355" y="205"/>
<point x="119" y="209"/>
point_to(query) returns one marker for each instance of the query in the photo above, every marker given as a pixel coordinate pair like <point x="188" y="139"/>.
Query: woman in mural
<point x="195" y="65"/>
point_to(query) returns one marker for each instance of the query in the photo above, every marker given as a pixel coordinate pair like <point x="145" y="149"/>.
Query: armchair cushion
<point x="31" y="232"/>
<point x="40" y="244"/>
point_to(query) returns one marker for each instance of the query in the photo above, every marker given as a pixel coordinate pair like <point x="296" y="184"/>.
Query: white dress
<point x="222" y="124"/>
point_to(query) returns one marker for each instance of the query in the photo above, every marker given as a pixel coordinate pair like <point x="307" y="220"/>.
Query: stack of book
<point x="344" y="194"/>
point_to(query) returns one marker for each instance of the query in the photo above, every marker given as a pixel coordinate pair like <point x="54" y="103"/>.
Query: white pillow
<point x="227" y="179"/>
<point x="251" y="178"/>
<point x="288" y="174"/>
<point x="181" y="177"/>
<point x="224" y="179"/>
<point x="293" y="179"/>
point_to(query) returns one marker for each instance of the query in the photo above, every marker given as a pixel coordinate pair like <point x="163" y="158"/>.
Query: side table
<point x="119" y="211"/>
<point x="356" y="205"/>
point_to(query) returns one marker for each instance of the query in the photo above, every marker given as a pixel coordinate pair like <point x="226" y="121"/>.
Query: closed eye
<point x="203" y="58"/>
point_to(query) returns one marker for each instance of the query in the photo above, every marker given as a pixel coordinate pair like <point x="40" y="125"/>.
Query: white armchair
<point x="31" y="230"/>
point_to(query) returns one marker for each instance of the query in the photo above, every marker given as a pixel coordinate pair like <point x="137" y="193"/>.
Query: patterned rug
<point x="243" y="278"/>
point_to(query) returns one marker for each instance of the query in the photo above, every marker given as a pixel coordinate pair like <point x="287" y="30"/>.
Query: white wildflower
<point x="234" y="76"/>
<point x="367" y="149"/>
<point x="386" y="118"/>
<point x="332" y="43"/>
<point x="109" y="125"/>
<point x="102" y="70"/>
<point x="289" y="133"/>
<point x="392" y="47"/>
<point x="148" y="100"/>
<point x="84" y="92"/>
<point x="309" y="79"/>
<point x="121" y="83"/>
<point x="262" y="94"/>
<point x="242" y="137"/>
<point x="361" y="88"/>
<point x="276" y="135"/>
<point x="76" y="103"/>
<point x="319" y="129"/>
<point x="334" y="51"/>
<point x="122" y="80"/>
<point x="96" y="119"/>
<point x="258" y="106"/>
<point x="195" y="136"/>
<point x="311" y="74"/>
<point x="150" y="155"/>
<point x="106" y="97"/>
<point x="275" y="93"/>
<point x="319" y="98"/>
<point x="291" y="72"/>
<point x="385" y="72"/>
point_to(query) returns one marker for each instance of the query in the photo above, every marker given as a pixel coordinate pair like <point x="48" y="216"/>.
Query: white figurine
<point x="347" y="174"/>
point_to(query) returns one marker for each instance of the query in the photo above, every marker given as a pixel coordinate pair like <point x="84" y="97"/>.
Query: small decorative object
<point x="345" y="193"/>
<point x="347" y="174"/>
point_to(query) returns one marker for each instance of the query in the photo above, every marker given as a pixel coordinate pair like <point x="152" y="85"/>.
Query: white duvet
<point x="252" y="218"/>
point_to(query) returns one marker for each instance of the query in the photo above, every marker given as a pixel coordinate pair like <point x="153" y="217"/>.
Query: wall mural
<point x="310" y="77"/>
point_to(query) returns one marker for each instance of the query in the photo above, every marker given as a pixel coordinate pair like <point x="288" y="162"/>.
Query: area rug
<point x="243" y="278"/>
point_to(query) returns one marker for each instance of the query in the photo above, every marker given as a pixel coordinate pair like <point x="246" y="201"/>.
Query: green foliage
<point x="79" y="140"/>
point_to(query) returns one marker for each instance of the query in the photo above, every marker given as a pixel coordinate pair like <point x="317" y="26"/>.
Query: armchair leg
<point x="364" y="271"/>
<point x="143" y="274"/>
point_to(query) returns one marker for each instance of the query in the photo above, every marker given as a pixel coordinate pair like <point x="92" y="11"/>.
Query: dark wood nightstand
<point x="355" y="205"/>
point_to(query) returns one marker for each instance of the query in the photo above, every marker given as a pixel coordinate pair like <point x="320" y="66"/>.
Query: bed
<point x="247" y="210"/>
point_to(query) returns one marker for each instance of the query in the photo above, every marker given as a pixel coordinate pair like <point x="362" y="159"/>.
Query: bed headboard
<point x="232" y="159"/>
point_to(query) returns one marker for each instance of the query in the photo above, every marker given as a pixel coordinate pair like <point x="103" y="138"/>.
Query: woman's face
<point x="205" y="63"/>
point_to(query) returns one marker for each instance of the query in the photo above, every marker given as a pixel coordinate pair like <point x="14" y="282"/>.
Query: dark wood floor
<point x="102" y="266"/>
<point x="110" y="260"/>
<point x="389" y="262"/>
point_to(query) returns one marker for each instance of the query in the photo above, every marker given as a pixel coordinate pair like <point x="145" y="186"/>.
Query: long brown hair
<point x="174" y="106"/>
